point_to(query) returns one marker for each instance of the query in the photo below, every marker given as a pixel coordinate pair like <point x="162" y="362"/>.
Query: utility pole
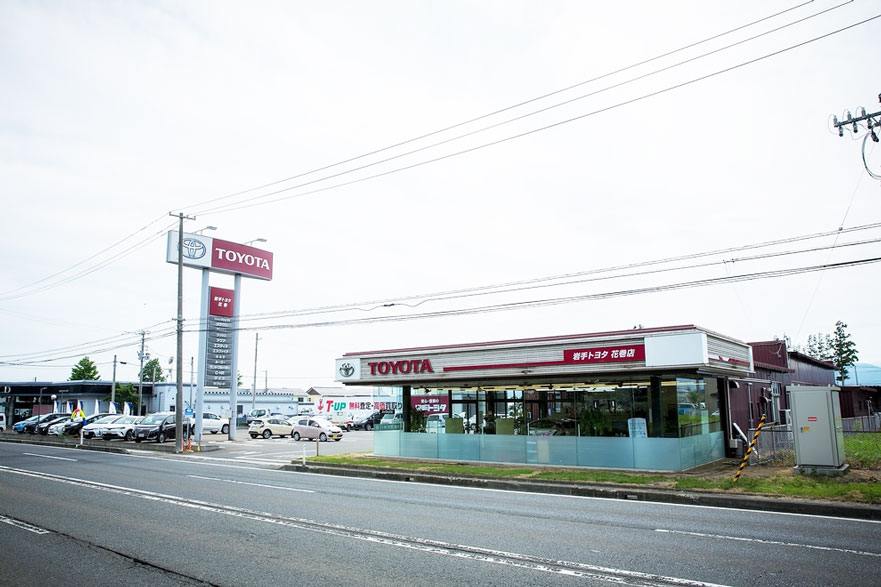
<point x="113" y="384"/>
<point x="179" y="404"/>
<point x="254" y="385"/>
<point x="852" y="124"/>
<point x="143" y="333"/>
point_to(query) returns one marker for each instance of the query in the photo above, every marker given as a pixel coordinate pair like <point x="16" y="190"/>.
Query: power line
<point x="579" y="298"/>
<point x="197" y="206"/>
<point x="8" y="294"/>
<point x="124" y="340"/>
<point x="568" y="277"/>
<point x="254" y="201"/>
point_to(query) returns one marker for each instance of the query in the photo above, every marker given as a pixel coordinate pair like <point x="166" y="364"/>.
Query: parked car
<point x="31" y="427"/>
<point x="2" y="422"/>
<point x="56" y="428"/>
<point x="257" y="414"/>
<point x="213" y="423"/>
<point x="72" y="427"/>
<point x="550" y="427"/>
<point x="123" y="428"/>
<point x="159" y="427"/>
<point x="392" y="421"/>
<point x="367" y="423"/>
<point x="44" y="425"/>
<point x="96" y="429"/>
<point x="436" y="423"/>
<point x="316" y="429"/>
<point x="20" y="426"/>
<point x="269" y="427"/>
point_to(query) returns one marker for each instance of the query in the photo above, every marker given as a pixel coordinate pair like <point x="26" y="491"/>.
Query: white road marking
<point x="559" y="567"/>
<point x="23" y="525"/>
<point x="252" y="484"/>
<point x="33" y="454"/>
<point x="773" y="542"/>
<point x="217" y="462"/>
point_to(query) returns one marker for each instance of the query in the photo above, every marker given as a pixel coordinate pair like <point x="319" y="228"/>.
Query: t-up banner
<point x="219" y="255"/>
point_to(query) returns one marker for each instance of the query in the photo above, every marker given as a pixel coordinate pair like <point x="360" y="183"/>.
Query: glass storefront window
<point x="666" y="422"/>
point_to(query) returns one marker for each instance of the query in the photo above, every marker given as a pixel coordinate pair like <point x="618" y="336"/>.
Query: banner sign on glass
<point x="429" y="404"/>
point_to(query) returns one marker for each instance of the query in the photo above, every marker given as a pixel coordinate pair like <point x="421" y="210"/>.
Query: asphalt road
<point x="72" y="517"/>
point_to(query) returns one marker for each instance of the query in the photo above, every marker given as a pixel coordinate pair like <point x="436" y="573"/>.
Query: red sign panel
<point x="429" y="404"/>
<point x="221" y="302"/>
<point x="235" y="258"/>
<point x="605" y="354"/>
<point x="812" y="418"/>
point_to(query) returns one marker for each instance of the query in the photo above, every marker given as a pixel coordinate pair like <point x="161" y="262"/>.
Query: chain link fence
<point x="862" y="443"/>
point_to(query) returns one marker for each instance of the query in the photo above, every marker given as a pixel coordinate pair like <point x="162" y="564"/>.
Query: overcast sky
<point x="583" y="139"/>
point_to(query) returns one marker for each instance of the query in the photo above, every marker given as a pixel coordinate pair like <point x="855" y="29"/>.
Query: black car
<point x="74" y="426"/>
<point x="43" y="427"/>
<point x="31" y="427"/>
<point x="367" y="423"/>
<point x="158" y="427"/>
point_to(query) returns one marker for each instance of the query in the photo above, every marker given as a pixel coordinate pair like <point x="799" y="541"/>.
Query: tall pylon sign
<point x="219" y="314"/>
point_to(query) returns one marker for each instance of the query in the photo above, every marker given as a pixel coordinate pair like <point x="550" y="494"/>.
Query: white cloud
<point x="114" y="114"/>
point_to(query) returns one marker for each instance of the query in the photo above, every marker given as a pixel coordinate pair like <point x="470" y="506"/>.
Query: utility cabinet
<point x="817" y="430"/>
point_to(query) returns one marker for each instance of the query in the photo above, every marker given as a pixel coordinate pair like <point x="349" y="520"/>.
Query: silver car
<point x="315" y="429"/>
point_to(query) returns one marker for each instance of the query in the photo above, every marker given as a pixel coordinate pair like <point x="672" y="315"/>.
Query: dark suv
<point x="158" y="427"/>
<point x="367" y="423"/>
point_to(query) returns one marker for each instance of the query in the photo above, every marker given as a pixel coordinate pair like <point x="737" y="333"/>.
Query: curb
<point x="618" y="492"/>
<point x="102" y="445"/>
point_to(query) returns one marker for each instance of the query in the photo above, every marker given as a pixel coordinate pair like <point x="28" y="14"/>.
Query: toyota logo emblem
<point x="193" y="248"/>
<point x="347" y="369"/>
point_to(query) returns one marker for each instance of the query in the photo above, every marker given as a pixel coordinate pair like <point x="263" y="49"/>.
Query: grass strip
<point x="788" y="485"/>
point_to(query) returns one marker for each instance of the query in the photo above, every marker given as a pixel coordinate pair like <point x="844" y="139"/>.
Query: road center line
<point x="252" y="484"/>
<point x="23" y="525"/>
<point x="33" y="454"/>
<point x="773" y="542"/>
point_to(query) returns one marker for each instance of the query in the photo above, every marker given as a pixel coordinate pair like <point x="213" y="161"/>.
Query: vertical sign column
<point x="219" y="351"/>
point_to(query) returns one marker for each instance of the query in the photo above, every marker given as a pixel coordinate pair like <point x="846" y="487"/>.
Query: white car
<point x="96" y="428"/>
<point x="436" y="423"/>
<point x="269" y="427"/>
<point x="213" y="423"/>
<point x="120" y="428"/>
<point x="55" y="429"/>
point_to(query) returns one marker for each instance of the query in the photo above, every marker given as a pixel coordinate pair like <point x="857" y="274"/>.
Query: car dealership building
<point x="647" y="399"/>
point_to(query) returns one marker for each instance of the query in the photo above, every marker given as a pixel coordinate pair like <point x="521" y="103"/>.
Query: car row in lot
<point x="157" y="427"/>
<point x="30" y="425"/>
<point x="298" y="428"/>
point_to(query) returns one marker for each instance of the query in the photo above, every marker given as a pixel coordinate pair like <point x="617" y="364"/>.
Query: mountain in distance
<point x="865" y="373"/>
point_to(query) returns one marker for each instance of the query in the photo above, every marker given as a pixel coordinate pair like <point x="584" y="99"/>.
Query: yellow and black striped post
<point x="750" y="449"/>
